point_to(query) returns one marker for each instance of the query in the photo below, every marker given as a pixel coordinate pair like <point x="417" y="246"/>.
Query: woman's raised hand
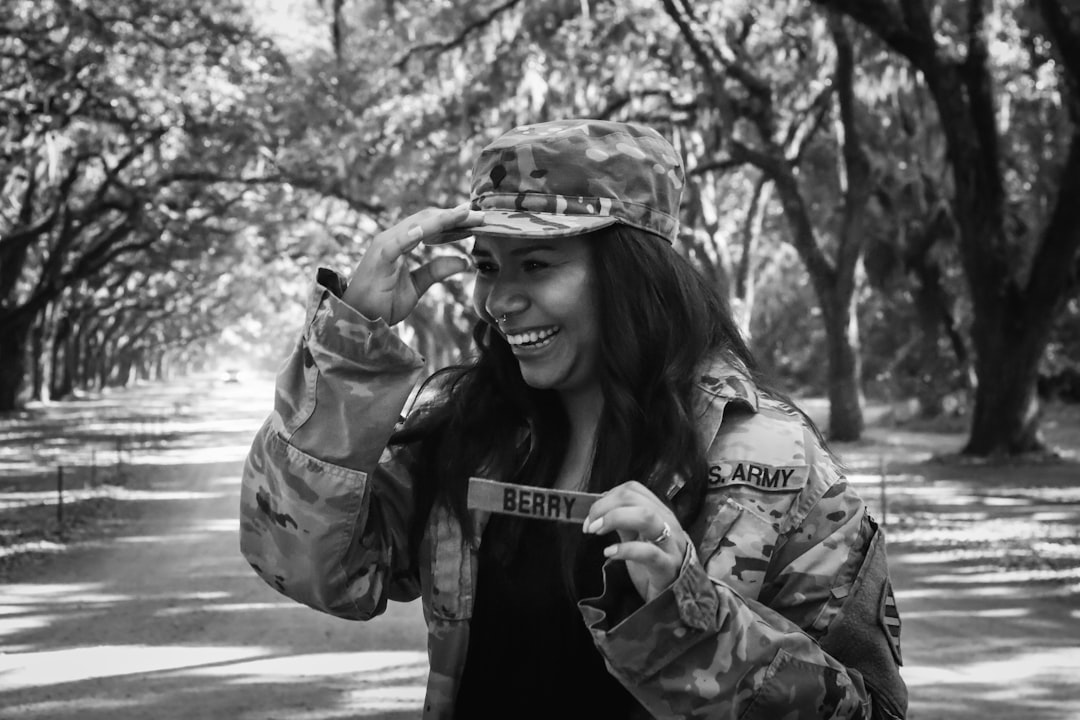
<point x="383" y="285"/>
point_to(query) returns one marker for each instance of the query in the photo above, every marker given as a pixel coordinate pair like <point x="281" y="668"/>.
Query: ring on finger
<point x="663" y="536"/>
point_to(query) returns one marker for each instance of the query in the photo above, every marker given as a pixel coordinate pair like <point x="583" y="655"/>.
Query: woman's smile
<point x="531" y="340"/>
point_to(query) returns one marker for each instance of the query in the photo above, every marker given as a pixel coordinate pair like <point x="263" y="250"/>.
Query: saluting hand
<point x="383" y="285"/>
<point x="652" y="542"/>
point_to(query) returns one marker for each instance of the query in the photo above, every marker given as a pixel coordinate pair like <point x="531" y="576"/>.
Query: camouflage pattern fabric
<point x="779" y="552"/>
<point x="569" y="177"/>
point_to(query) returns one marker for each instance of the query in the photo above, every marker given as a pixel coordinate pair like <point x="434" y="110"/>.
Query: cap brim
<point x="517" y="223"/>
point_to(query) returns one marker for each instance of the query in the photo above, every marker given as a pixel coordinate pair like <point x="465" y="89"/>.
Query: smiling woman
<point x="608" y="503"/>
<point x="541" y="295"/>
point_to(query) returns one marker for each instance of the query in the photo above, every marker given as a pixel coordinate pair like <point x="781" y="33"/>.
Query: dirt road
<point x="163" y="620"/>
<point x="168" y="622"/>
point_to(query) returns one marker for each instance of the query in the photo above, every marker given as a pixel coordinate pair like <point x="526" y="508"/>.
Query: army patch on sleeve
<point x="890" y="618"/>
<point x="767" y="478"/>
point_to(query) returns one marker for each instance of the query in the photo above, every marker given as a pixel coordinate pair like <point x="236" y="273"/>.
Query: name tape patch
<point x="762" y="477"/>
<point x="542" y="503"/>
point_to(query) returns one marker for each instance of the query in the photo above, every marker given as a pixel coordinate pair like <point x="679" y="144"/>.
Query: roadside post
<point x="60" y="495"/>
<point x="884" y="496"/>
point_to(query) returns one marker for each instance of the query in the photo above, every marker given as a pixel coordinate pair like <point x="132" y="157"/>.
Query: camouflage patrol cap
<point x="568" y="177"/>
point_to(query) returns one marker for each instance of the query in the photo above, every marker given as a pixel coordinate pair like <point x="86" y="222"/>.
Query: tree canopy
<point x="173" y="172"/>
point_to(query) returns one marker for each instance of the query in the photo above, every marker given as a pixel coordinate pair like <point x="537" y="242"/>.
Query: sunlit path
<point x="986" y="567"/>
<point x="166" y="621"/>
<point x="163" y="619"/>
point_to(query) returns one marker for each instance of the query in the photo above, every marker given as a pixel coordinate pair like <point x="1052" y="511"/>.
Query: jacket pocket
<point x="737" y="547"/>
<point x="449" y="583"/>
<point x="796" y="688"/>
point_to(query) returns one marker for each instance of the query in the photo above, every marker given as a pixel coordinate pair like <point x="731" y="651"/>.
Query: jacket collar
<point x="719" y="383"/>
<point x="725" y="383"/>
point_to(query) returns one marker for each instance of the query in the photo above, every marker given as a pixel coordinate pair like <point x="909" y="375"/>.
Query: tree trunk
<point x="62" y="349"/>
<point x="142" y="367"/>
<point x="845" y="371"/>
<point x="123" y="363"/>
<point x="37" y="359"/>
<point x="107" y="376"/>
<point x="1006" y="415"/>
<point x="835" y="293"/>
<point x="929" y="297"/>
<point x="80" y="352"/>
<point x="13" y="362"/>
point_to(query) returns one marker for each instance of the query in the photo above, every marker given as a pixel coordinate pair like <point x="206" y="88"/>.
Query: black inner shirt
<point x="530" y="654"/>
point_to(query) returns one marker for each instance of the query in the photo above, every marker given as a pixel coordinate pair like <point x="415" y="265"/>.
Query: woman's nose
<point x="505" y="298"/>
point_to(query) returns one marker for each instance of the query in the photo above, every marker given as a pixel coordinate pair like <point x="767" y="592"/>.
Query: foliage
<point x="172" y="173"/>
<point x="1003" y="79"/>
<point x="128" y="130"/>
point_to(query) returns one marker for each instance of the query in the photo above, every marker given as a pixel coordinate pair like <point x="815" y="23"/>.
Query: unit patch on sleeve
<point x="768" y="478"/>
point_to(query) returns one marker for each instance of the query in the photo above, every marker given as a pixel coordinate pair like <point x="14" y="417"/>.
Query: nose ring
<point x="502" y="318"/>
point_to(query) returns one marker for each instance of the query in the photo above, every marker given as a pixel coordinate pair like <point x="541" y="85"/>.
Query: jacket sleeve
<point x="735" y="636"/>
<point x="324" y="507"/>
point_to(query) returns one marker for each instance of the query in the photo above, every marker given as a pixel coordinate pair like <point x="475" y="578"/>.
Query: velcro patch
<point x="768" y="478"/>
<point x="533" y="502"/>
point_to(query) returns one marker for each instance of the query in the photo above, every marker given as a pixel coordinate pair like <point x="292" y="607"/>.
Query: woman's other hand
<point x="651" y="541"/>
<point x="383" y="285"/>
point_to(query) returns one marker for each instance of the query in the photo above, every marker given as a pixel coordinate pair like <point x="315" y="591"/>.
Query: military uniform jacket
<point x="782" y="608"/>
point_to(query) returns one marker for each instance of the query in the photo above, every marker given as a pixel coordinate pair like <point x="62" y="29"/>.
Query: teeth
<point x="532" y="337"/>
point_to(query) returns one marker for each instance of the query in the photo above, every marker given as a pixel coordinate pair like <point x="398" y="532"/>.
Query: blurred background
<point x="887" y="191"/>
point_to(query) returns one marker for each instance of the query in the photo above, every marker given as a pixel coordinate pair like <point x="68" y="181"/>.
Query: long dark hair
<point x="659" y="320"/>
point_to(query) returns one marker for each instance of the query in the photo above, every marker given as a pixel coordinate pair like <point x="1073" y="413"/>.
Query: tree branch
<point x="720" y="165"/>
<point x="800" y="133"/>
<point x="856" y="164"/>
<point x="14" y="246"/>
<point x="881" y="18"/>
<point x="768" y="164"/>
<point x="1062" y="27"/>
<point x="306" y="183"/>
<point x="755" y="218"/>
<point x="459" y="39"/>
<point x="1054" y="266"/>
<point x="980" y="90"/>
<point x="822" y="271"/>
<point x="707" y="56"/>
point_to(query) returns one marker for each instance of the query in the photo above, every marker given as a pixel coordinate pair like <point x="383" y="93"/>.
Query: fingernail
<point x="595" y="526"/>
<point x="416" y="232"/>
<point x="476" y="216"/>
<point x="611" y="550"/>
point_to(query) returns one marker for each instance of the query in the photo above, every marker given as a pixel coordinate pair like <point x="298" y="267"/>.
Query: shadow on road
<point x="139" y="605"/>
<point x="986" y="565"/>
<point x="163" y="619"/>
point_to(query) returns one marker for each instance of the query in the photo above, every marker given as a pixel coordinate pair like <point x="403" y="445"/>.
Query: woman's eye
<point x="531" y="265"/>
<point x="485" y="268"/>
